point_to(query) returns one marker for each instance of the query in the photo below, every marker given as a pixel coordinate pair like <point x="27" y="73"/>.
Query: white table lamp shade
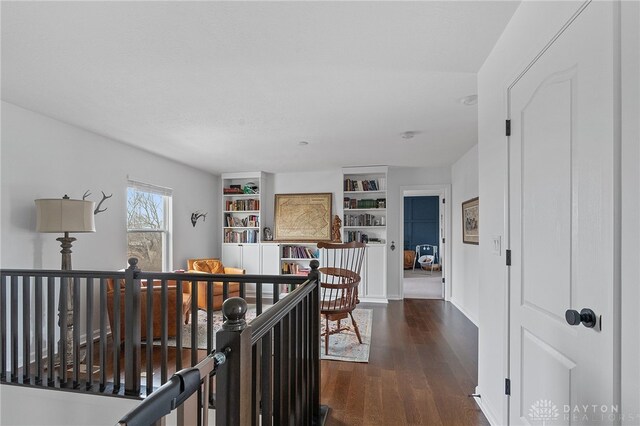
<point x="64" y="215"/>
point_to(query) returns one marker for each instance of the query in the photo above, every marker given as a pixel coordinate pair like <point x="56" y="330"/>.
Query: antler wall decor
<point x="197" y="215"/>
<point x="104" y="197"/>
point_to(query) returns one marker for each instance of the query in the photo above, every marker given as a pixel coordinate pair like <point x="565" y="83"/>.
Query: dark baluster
<point x="255" y="383"/>
<point x="132" y="334"/>
<point x="77" y="358"/>
<point x="276" y="293"/>
<point x="233" y="403"/>
<point x="277" y="374"/>
<point x="103" y="333"/>
<point x="38" y="330"/>
<point x="225" y="290"/>
<point x="194" y="321"/>
<point x="210" y="299"/>
<point x="26" y="329"/>
<point x="243" y="290"/>
<point x="3" y="327"/>
<point x="258" y="298"/>
<point x="14" y="328"/>
<point x="164" y="332"/>
<point x="51" y="324"/>
<point x="89" y="333"/>
<point x="266" y="379"/>
<point x="117" y="338"/>
<point x="179" y="326"/>
<point x="149" y="333"/>
<point x="314" y="275"/>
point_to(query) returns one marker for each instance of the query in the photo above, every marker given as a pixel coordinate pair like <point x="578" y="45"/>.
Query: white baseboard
<point x="373" y="300"/>
<point x="465" y="313"/>
<point x="485" y="409"/>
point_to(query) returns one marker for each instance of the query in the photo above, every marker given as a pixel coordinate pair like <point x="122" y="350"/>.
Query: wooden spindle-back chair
<point x="339" y="280"/>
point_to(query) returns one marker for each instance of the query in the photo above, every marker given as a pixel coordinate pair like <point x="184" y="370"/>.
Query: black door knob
<point x="586" y="316"/>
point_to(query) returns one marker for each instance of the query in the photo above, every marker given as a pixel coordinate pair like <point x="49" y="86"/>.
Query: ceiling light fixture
<point x="469" y="100"/>
<point x="303" y="143"/>
<point x="409" y="134"/>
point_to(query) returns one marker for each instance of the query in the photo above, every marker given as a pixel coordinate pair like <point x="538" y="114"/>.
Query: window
<point x="149" y="226"/>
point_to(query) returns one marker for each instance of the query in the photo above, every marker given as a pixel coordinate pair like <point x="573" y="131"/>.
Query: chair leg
<point x="326" y="335"/>
<point x="355" y="328"/>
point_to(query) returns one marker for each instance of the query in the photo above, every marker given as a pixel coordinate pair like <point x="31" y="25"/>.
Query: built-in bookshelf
<point x="295" y="258"/>
<point x="365" y="205"/>
<point x="241" y="203"/>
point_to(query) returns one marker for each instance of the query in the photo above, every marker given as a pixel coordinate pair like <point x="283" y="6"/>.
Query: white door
<point x="563" y="235"/>
<point x="251" y="258"/>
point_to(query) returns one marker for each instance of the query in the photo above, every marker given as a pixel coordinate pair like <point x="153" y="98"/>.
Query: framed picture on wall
<point x="470" y="221"/>
<point x="303" y="217"/>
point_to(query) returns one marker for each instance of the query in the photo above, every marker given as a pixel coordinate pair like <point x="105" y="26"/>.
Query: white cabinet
<point x="244" y="256"/>
<point x="270" y="258"/>
<point x="373" y="288"/>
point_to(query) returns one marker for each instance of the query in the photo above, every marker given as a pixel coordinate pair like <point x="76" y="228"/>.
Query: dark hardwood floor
<point x="422" y="366"/>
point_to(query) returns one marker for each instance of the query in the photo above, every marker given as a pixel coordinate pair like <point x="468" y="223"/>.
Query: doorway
<point x="423" y="225"/>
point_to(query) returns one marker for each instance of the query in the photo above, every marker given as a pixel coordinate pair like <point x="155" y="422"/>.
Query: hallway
<point x="422" y="366"/>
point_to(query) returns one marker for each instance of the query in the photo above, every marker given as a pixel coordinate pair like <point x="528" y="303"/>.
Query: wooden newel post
<point x="233" y="379"/>
<point x="132" y="336"/>
<point x="314" y="274"/>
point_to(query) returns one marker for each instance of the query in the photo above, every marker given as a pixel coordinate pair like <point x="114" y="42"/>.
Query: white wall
<point x="532" y="26"/>
<point x="464" y="262"/>
<point x="45" y="158"/>
<point x="66" y="408"/>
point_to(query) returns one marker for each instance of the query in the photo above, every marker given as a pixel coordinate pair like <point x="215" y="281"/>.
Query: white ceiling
<point x="234" y="86"/>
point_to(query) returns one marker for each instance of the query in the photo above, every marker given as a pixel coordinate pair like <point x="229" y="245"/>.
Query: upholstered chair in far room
<point x="171" y="314"/>
<point x="212" y="266"/>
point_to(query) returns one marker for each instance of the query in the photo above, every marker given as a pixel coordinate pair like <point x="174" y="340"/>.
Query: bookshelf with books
<point x="295" y="258"/>
<point x="365" y="220"/>
<point x="365" y="204"/>
<point x="241" y="219"/>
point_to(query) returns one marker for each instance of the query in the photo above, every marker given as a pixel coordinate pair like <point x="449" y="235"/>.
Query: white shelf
<point x="365" y="210"/>
<point x="242" y="211"/>
<point x="241" y="227"/>
<point x="365" y="192"/>
<point x="299" y="258"/>
<point x="242" y="195"/>
<point x="365" y="227"/>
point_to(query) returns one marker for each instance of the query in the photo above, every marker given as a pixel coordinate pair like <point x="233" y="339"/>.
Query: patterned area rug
<point x="342" y="347"/>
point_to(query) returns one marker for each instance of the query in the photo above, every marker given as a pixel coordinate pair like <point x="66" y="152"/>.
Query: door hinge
<point x="443" y="201"/>
<point x="442" y="280"/>
<point x="443" y="241"/>
<point x="507" y="387"/>
<point x="508" y="128"/>
<point x="508" y="257"/>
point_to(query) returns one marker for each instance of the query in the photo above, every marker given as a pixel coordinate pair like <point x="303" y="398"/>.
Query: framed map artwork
<point x="303" y="217"/>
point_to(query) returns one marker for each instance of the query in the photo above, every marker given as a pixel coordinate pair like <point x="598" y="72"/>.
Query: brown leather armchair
<point x="172" y="311"/>
<point x="212" y="266"/>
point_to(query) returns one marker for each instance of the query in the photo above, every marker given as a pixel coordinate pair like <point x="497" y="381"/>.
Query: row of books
<point x="250" y="221"/>
<point x="357" y="236"/>
<point x="246" y="236"/>
<point x="299" y="252"/>
<point x="292" y="268"/>
<point x="354" y="203"/>
<point x="379" y="184"/>
<point x="363" y="220"/>
<point x="242" y="205"/>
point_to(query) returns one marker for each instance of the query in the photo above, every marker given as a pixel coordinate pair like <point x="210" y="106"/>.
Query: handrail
<point x="180" y="387"/>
